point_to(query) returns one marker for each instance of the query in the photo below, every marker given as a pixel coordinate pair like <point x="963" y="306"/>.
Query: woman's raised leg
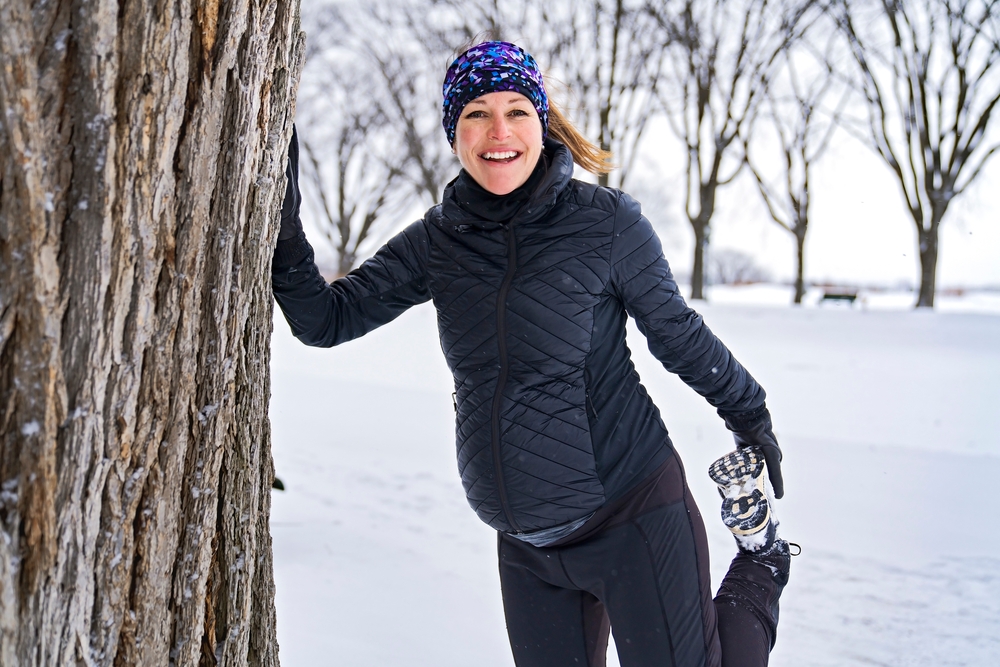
<point x="747" y="601"/>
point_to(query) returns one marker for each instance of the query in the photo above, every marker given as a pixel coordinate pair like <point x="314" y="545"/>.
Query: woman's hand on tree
<point x="291" y="225"/>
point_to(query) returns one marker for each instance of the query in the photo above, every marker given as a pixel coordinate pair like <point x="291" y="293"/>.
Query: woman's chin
<point x="501" y="184"/>
<point x="499" y="190"/>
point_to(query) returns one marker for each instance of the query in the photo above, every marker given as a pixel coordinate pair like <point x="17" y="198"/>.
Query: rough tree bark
<point x="142" y="149"/>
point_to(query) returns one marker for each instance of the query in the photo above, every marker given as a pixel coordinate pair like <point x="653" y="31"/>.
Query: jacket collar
<point x="557" y="176"/>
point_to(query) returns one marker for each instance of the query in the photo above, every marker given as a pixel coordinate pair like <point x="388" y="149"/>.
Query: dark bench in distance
<point x="848" y="296"/>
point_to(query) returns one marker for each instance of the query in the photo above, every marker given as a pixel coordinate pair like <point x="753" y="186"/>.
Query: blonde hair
<point x="590" y="157"/>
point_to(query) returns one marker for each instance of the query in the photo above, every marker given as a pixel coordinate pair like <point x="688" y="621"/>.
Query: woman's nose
<point x="499" y="129"/>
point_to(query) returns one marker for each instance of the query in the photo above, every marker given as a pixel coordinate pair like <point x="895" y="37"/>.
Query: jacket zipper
<point x="504" y="370"/>
<point x="590" y="405"/>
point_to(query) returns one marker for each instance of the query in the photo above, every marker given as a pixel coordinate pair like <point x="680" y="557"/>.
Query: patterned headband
<point x="492" y="67"/>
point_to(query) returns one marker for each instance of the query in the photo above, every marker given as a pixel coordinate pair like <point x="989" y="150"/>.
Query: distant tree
<point x="795" y="110"/>
<point x="358" y="194"/>
<point x="609" y="55"/>
<point x="354" y="163"/>
<point x="720" y="59"/>
<point x="409" y="70"/>
<point x="728" y="266"/>
<point x="142" y="148"/>
<point x="347" y="169"/>
<point x="370" y="116"/>
<point x="929" y="71"/>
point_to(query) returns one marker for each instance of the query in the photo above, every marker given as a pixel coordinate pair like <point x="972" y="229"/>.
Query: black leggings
<point x="646" y="575"/>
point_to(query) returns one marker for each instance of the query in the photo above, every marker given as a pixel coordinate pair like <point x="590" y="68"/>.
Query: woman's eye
<point x="518" y="112"/>
<point x="475" y="114"/>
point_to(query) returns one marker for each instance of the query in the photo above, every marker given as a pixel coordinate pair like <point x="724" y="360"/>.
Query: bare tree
<point x="609" y="55"/>
<point x="795" y="110"/>
<point x="359" y="193"/>
<point x="930" y="74"/>
<point x="728" y="266"/>
<point x="352" y="168"/>
<point x="410" y="72"/>
<point x="721" y="57"/>
<point x="141" y="154"/>
<point x="370" y="120"/>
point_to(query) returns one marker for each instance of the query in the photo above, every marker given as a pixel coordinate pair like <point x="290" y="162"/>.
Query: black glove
<point x="291" y="225"/>
<point x="753" y="430"/>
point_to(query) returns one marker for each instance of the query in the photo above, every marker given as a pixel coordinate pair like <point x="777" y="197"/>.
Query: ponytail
<point x="590" y="157"/>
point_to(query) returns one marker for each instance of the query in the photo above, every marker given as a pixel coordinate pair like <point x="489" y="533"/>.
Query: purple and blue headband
<point x="492" y="67"/>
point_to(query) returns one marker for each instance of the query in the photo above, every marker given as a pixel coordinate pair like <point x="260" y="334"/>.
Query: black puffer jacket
<point x="552" y="421"/>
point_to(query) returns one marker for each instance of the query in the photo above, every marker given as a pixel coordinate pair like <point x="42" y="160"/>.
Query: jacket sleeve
<point x="378" y="291"/>
<point x="677" y="336"/>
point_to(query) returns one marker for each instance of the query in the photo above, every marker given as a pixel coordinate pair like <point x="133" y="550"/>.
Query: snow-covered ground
<point x="888" y="420"/>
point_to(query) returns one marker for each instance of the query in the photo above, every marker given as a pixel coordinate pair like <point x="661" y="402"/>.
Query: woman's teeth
<point x="501" y="155"/>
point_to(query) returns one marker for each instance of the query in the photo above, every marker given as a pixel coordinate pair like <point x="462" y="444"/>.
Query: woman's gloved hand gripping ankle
<point x="753" y="430"/>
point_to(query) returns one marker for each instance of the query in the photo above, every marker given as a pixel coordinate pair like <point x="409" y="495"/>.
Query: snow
<point x="884" y="415"/>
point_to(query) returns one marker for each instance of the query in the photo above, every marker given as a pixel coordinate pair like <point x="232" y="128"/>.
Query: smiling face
<point x="498" y="140"/>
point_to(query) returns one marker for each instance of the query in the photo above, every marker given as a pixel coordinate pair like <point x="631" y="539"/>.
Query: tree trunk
<point x="141" y="157"/>
<point x="698" y="271"/>
<point x="800" y="263"/>
<point x="928" y="247"/>
<point x="345" y="263"/>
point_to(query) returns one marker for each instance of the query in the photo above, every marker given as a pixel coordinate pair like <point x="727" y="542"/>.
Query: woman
<point x="560" y="448"/>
